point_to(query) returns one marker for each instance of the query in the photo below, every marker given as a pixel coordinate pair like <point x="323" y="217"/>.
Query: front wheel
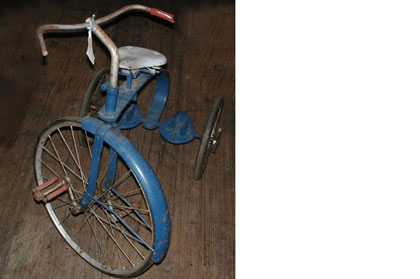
<point x="97" y="234"/>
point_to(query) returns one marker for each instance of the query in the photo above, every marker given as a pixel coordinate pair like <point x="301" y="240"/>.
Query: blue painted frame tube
<point x="111" y="99"/>
<point x="110" y="175"/>
<point x="127" y="203"/>
<point x="151" y="121"/>
<point x="94" y="164"/>
<point x="93" y="173"/>
<point x="147" y="179"/>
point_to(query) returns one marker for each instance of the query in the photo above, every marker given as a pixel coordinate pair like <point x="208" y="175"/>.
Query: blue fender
<point x="147" y="178"/>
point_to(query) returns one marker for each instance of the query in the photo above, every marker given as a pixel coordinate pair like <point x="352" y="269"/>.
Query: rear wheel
<point x="211" y="138"/>
<point x="93" y="99"/>
<point x="97" y="234"/>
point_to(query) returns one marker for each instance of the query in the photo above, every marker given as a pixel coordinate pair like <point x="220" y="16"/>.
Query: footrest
<point x="50" y="189"/>
<point x="178" y="129"/>
<point x="131" y="117"/>
<point x="151" y="120"/>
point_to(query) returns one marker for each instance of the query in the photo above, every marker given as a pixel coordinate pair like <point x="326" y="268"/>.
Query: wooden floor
<point x="200" y="50"/>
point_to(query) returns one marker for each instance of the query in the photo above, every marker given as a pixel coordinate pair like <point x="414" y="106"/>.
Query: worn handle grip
<point x="162" y="14"/>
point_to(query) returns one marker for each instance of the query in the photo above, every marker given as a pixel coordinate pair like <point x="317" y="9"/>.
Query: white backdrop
<point x="328" y="139"/>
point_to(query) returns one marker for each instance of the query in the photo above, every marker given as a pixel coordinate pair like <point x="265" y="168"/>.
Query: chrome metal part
<point x="75" y="206"/>
<point x="113" y="50"/>
<point x="105" y="39"/>
<point x="46" y="28"/>
<point x="215" y="139"/>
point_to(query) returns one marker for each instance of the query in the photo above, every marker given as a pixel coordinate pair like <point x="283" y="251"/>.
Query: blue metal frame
<point x="151" y="121"/>
<point x="115" y="106"/>
<point x="121" y="106"/>
<point x="94" y="164"/>
<point x="144" y="173"/>
<point x="121" y="111"/>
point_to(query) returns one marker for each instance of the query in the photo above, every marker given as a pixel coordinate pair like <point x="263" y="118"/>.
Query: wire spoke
<point x="90" y="214"/>
<point x="121" y="180"/>
<point x="129" y="194"/>
<point x="58" y="156"/>
<point x="136" y="218"/>
<point x="125" y="233"/>
<point x="87" y="143"/>
<point x="65" y="218"/>
<point x="64" y="166"/>
<point x="143" y="211"/>
<point x="72" y="155"/>
<point x="125" y="236"/>
<point x="58" y="198"/>
<point x="116" y="243"/>
<point x="96" y="238"/>
<point x="60" y="206"/>
<point x="50" y="168"/>
<point x="112" y="231"/>
<point x="78" y="158"/>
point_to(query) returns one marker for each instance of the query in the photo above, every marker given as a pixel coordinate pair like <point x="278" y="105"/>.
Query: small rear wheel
<point x="211" y="138"/>
<point x="93" y="99"/>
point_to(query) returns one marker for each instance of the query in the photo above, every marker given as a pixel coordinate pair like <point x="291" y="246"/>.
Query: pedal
<point x="50" y="189"/>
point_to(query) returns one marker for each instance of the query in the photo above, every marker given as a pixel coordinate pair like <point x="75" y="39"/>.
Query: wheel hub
<point x="215" y="140"/>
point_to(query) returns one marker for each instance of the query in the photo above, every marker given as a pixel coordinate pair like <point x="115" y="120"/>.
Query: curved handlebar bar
<point x="102" y="36"/>
<point x="78" y="27"/>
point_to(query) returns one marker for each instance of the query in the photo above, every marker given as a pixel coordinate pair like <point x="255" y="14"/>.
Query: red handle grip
<point x="162" y="14"/>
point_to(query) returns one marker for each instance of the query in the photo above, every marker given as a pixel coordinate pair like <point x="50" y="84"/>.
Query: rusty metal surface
<point x="113" y="50"/>
<point x="46" y="28"/>
<point x="97" y="30"/>
<point x="50" y="189"/>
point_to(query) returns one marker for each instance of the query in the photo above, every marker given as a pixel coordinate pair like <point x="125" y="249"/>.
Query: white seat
<point x="132" y="58"/>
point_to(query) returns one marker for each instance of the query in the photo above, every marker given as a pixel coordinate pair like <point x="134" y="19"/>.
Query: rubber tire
<point x="211" y="124"/>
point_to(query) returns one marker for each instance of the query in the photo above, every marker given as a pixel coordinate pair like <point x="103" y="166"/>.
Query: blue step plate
<point x="178" y="129"/>
<point x="131" y="117"/>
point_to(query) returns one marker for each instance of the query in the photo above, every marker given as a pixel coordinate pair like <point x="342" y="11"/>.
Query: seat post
<point x="111" y="99"/>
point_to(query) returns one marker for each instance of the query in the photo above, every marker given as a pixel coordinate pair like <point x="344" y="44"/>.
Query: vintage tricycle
<point x="99" y="190"/>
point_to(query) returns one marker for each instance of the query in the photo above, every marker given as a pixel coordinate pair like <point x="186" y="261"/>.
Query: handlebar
<point x="78" y="27"/>
<point x="102" y="36"/>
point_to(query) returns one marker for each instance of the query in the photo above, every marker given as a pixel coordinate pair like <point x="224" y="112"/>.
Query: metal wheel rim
<point x="135" y="271"/>
<point x="208" y="134"/>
